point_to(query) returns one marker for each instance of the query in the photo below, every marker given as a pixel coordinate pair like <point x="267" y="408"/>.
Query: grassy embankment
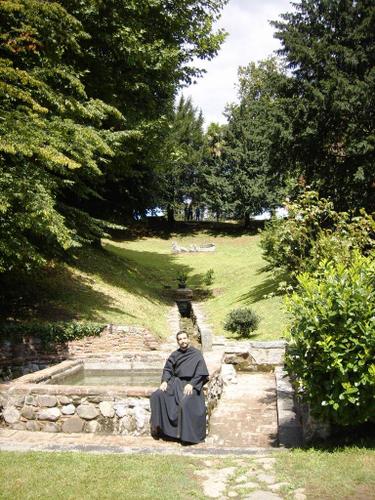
<point x="128" y="283"/>
<point x="342" y="474"/>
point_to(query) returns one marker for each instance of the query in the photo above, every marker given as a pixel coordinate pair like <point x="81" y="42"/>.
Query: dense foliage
<point x="329" y="49"/>
<point x="331" y="353"/>
<point x="86" y="89"/>
<point x="312" y="231"/>
<point x="242" y="321"/>
<point x="52" y="332"/>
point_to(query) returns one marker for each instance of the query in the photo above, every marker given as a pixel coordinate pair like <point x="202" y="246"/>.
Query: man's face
<point x="183" y="341"/>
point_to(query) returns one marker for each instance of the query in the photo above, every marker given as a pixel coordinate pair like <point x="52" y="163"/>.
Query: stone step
<point x="246" y="415"/>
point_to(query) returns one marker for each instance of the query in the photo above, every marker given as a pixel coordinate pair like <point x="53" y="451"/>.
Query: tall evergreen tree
<point x="329" y="48"/>
<point x="257" y="138"/>
<point x="183" y="157"/>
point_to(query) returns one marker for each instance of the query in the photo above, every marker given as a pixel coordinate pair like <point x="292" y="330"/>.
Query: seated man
<point x="178" y="408"/>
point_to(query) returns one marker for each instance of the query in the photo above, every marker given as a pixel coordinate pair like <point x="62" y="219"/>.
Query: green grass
<point x="129" y="282"/>
<point x="82" y="476"/>
<point x="342" y="474"/>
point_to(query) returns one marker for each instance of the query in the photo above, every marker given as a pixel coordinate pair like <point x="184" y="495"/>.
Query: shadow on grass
<point x="57" y="293"/>
<point x="160" y="229"/>
<point x="361" y="436"/>
<point x="270" y="285"/>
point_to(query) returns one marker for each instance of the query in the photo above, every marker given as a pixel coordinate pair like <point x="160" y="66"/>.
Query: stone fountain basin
<point x="41" y="401"/>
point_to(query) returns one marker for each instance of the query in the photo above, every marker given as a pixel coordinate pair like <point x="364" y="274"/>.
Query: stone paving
<point x="246" y="415"/>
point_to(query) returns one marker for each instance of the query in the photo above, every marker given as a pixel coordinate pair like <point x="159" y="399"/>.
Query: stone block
<point x="64" y="400"/>
<point x="33" y="425"/>
<point x="47" y="401"/>
<point x="51" y="414"/>
<point x="31" y="400"/>
<point x="92" y="426"/>
<point x="28" y="412"/>
<point x="68" y="409"/>
<point x="11" y="415"/>
<point x="107" y="409"/>
<point x="121" y="410"/>
<point x="51" y="427"/>
<point x="73" y="424"/>
<point x="87" y="411"/>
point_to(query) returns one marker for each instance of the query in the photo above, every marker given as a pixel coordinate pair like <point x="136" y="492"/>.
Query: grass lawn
<point x="82" y="476"/>
<point x="342" y="474"/>
<point x="129" y="282"/>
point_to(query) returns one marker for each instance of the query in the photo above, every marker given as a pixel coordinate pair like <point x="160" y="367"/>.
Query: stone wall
<point x="29" y="403"/>
<point x="26" y="354"/>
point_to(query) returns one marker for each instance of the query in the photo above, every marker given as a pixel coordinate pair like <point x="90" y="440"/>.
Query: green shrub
<point x="52" y="332"/>
<point x="242" y="321"/>
<point x="332" y="349"/>
<point x="208" y="278"/>
<point x="313" y="231"/>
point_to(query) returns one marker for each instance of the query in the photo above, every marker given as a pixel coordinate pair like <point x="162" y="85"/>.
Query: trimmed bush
<point x="332" y="349"/>
<point x="52" y="332"/>
<point x="242" y="321"/>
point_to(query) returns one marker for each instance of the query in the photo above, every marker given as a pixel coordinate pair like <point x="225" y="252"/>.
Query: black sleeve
<point x="168" y="370"/>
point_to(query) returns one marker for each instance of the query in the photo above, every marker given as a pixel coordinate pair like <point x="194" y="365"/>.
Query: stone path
<point x="246" y="415"/>
<point x="250" y="479"/>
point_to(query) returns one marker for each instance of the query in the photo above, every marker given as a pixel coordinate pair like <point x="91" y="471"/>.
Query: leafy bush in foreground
<point x="242" y="321"/>
<point x="332" y="348"/>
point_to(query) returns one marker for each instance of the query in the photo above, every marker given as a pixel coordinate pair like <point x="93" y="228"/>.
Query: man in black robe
<point x="178" y="408"/>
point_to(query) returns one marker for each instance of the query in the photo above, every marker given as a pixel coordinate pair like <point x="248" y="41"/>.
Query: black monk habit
<point x="172" y="412"/>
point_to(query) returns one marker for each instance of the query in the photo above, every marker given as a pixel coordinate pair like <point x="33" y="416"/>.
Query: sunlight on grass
<point x="333" y="475"/>
<point x="77" y="475"/>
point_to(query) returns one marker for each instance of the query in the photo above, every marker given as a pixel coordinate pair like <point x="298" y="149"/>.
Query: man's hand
<point x="163" y="386"/>
<point x="188" y="389"/>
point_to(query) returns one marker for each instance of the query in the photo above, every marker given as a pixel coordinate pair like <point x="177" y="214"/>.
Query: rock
<point x="139" y="416"/>
<point x="277" y="486"/>
<point x="28" y="412"/>
<point x="47" y="401"/>
<point x="241" y="479"/>
<point x="87" y="411"/>
<point x="92" y="426"/>
<point x="249" y="485"/>
<point x="107" y="409"/>
<point x="31" y="400"/>
<point x="232" y="494"/>
<point x="11" y="415"/>
<point x="127" y="425"/>
<point x="120" y="410"/>
<point x="51" y="414"/>
<point x="299" y="494"/>
<point x="50" y="427"/>
<point x="73" y="424"/>
<point x="266" y="478"/>
<point x="32" y="425"/>
<point x="64" y="400"/>
<point x="68" y="409"/>
<point x="19" y="426"/>
<point x="262" y="495"/>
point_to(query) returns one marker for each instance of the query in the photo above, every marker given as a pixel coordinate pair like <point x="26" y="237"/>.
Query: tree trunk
<point x="170" y="215"/>
<point x="247" y="220"/>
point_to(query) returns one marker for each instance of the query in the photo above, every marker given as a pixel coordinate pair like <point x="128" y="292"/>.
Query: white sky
<point x="250" y="38"/>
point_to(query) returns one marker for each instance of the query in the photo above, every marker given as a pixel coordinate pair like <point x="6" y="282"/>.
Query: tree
<point x="137" y="55"/>
<point x="215" y="183"/>
<point x="257" y="138"/>
<point x="183" y="149"/>
<point x="53" y="139"/>
<point x="329" y="48"/>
